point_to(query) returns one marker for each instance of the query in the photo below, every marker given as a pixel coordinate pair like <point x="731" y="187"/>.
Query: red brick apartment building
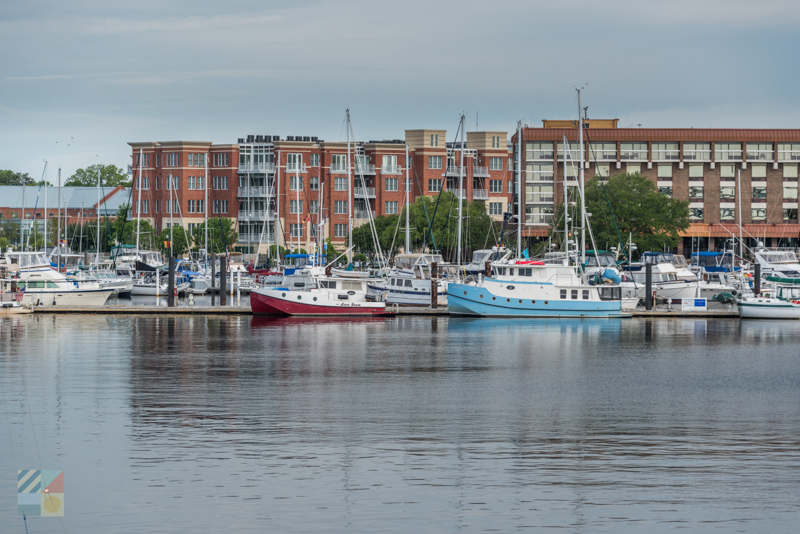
<point x="697" y="165"/>
<point x="310" y="177"/>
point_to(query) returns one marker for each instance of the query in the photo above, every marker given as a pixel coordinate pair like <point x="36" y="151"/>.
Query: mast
<point x="58" y="233"/>
<point x="320" y="220"/>
<point x="739" y="187"/>
<point x="566" y="218"/>
<point x="278" y="208"/>
<point x="580" y="182"/>
<point x="139" y="205"/>
<point x="171" y="211"/>
<point x="45" y="208"/>
<point x="460" y="194"/>
<point x="97" y="238"/>
<point x="349" y="196"/>
<point x="22" y="243"/>
<point x="297" y="206"/>
<point x="519" y="189"/>
<point x="408" y="232"/>
<point x="205" y="214"/>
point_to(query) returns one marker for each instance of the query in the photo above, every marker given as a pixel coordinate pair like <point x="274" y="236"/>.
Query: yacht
<point x="409" y="283"/>
<point x="779" y="263"/>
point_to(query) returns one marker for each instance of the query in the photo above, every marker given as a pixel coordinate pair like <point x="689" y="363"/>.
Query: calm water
<point x="421" y="425"/>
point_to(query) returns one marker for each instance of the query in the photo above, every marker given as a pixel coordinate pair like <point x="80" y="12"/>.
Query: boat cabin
<point x="714" y="262"/>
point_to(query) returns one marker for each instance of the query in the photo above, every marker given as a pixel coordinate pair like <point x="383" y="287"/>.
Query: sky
<point x="81" y="79"/>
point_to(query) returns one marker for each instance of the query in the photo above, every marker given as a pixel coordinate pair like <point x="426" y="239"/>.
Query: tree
<point x="15" y="178"/>
<point x="218" y="241"/>
<point x="179" y="241"/>
<point x="654" y="220"/>
<point x="385" y="225"/>
<point x="110" y="176"/>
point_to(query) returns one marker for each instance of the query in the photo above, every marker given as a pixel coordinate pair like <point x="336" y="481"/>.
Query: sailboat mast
<point x="580" y="183"/>
<point x="44" y="247"/>
<point x="349" y="196"/>
<point x="205" y="214"/>
<point x="22" y="221"/>
<point x="139" y="205"/>
<point x="408" y="209"/>
<point x="460" y="194"/>
<point x="519" y="189"/>
<point x="566" y="217"/>
<point x="58" y="233"/>
<point x="97" y="212"/>
<point x="739" y="187"/>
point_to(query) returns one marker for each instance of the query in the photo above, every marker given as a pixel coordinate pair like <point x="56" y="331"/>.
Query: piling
<point x="648" y="286"/>
<point x="434" y="285"/>
<point x="223" y="279"/>
<point x="757" y="280"/>
<point x="171" y="284"/>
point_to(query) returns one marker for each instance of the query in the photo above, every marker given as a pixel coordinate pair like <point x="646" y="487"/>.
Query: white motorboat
<point x="782" y="263"/>
<point x="785" y="304"/>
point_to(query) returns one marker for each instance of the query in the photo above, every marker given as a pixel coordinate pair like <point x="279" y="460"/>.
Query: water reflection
<point x="408" y="423"/>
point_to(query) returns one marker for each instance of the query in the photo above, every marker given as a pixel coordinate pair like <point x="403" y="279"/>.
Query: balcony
<point x="256" y="167"/>
<point x="254" y="191"/>
<point x="362" y="215"/>
<point x="391" y="169"/>
<point x="338" y="168"/>
<point x="604" y="155"/>
<point x="765" y="155"/>
<point x="256" y="215"/>
<point x="633" y="155"/>
<point x="365" y="169"/>
<point x="787" y="155"/>
<point x="666" y="155"/>
<point x="295" y="167"/>
<point x="455" y="171"/>
<point x="539" y="219"/>
<point x="545" y="155"/>
<point x="480" y="194"/>
<point x="696" y="155"/>
<point x="728" y="155"/>
<point x="256" y="238"/>
<point x="480" y="171"/>
<point x="361" y="193"/>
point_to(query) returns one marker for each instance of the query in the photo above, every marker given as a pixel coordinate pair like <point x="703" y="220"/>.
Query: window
<point x="220" y="206"/>
<point x="495" y="208"/>
<point x="633" y="151"/>
<point x="295" y="206"/>
<point x="495" y="164"/>
<point x="313" y="183"/>
<point x="145" y="206"/>
<point x="434" y="162"/>
<point x="573" y="151"/>
<point x="190" y="182"/>
<point x="190" y="160"/>
<point x="510" y="164"/>
<point x="340" y="184"/>
<point x="790" y="171"/>
<point x="758" y="171"/>
<point x="534" y="151"/>
<point x="391" y="184"/>
<point x="696" y="171"/>
<point x="156" y="206"/>
<point x="696" y="192"/>
<point x="145" y="182"/>
<point x="390" y="164"/>
<point x="665" y="171"/>
<point x="192" y="227"/>
<point x="435" y="141"/>
<point x="727" y="192"/>
<point x="563" y="293"/>
<point x="176" y="206"/>
<point x="728" y="151"/>
<point x="758" y="214"/>
<point x="314" y="160"/>
<point x="697" y="151"/>
<point x="158" y="160"/>
<point x="574" y="294"/>
<point x="790" y="192"/>
<point x="727" y="214"/>
<point x="496" y="141"/>
<point x="789" y="214"/>
<point x="539" y="172"/>
<point x="202" y="160"/>
<point x="633" y="168"/>
<point x="666" y="151"/>
<point x="603" y="151"/>
<point x="538" y="214"/>
<point x="602" y="169"/>
<point x="201" y="206"/>
<point x="201" y="182"/>
<point x="788" y="151"/>
<point x="294" y="162"/>
<point x="157" y="182"/>
<point x="313" y="206"/>
<point x="220" y="182"/>
<point x="539" y="193"/>
<point x="759" y="152"/>
<point x="339" y="230"/>
<point x="173" y="159"/>
<point x="340" y="207"/>
<point x="391" y="207"/>
<point x="296" y="230"/>
<point x="190" y="207"/>
<point x="296" y="183"/>
<point x="434" y="185"/>
<point x="585" y="294"/>
<point x="495" y="186"/>
<point x="695" y="214"/>
<point x="759" y="193"/>
<point x="339" y="163"/>
<point x="665" y="190"/>
<point x="727" y="171"/>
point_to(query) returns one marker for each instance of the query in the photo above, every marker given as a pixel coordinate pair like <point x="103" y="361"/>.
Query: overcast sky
<point x="80" y="79"/>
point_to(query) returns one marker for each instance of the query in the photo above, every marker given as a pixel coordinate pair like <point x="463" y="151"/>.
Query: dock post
<point x="213" y="277"/>
<point x="171" y="283"/>
<point x="434" y="286"/>
<point x="223" y="280"/>
<point x="648" y="286"/>
<point x="158" y="286"/>
<point x="487" y="269"/>
<point x="757" y="280"/>
<point x="238" y="288"/>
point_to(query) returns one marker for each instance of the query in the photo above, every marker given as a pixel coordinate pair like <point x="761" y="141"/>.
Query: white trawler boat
<point x="46" y="287"/>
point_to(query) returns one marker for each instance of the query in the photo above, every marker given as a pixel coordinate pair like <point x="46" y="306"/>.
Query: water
<point x="218" y="424"/>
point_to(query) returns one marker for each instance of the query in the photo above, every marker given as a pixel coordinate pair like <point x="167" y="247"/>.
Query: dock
<point x="117" y="309"/>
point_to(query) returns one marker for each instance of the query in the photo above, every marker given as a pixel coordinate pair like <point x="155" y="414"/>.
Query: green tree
<point x="221" y="234"/>
<point x="179" y="241"/>
<point x="385" y="226"/>
<point x="15" y="178"/>
<point x="3" y="244"/>
<point x="110" y="176"/>
<point x="654" y="220"/>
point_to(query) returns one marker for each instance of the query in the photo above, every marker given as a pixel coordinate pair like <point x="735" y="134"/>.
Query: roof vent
<point x="259" y="139"/>
<point x="241" y="140"/>
<point x="250" y="138"/>
<point x="290" y="138"/>
<point x="307" y="139"/>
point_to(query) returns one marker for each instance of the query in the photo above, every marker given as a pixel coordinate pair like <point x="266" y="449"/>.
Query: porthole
<point x="510" y="288"/>
<point x="481" y="296"/>
<point x="545" y="302"/>
<point x="520" y="301"/>
<point x="283" y="294"/>
<point x="494" y="298"/>
<point x="465" y="293"/>
<point x="299" y="297"/>
<point x="508" y="300"/>
<point x="533" y="302"/>
<point x="315" y="299"/>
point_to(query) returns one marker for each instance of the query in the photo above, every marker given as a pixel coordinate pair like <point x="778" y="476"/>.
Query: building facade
<point x="701" y="166"/>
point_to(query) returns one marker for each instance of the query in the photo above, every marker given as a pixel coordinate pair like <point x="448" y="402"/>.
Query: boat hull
<point x="78" y="297"/>
<point x="271" y="302"/>
<point x="768" y="308"/>
<point x="466" y="300"/>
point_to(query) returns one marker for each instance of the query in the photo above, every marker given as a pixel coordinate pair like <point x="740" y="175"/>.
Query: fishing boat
<point x="333" y="296"/>
<point x="785" y="304"/>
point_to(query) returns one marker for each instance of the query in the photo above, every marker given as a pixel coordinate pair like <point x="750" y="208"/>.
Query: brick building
<point x="698" y="165"/>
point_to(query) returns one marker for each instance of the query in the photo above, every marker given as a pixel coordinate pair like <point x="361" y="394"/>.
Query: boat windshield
<point x="679" y="261"/>
<point x="789" y="292"/>
<point x="27" y="260"/>
<point x="779" y="257"/>
<point x="606" y="260"/>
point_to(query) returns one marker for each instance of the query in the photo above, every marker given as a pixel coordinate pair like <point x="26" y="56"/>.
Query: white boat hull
<point x="768" y="308"/>
<point x="56" y="297"/>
